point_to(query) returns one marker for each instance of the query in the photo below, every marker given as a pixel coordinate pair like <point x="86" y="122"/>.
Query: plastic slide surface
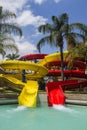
<point x="32" y="56"/>
<point x="28" y="95"/>
<point x="38" y="70"/>
<point x="77" y="64"/>
<point x="51" y="57"/>
<point x="69" y="73"/>
<point x="29" y="92"/>
<point x="55" y="95"/>
<point x="13" y="80"/>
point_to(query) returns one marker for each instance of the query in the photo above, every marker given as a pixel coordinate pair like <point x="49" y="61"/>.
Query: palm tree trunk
<point x="62" y="66"/>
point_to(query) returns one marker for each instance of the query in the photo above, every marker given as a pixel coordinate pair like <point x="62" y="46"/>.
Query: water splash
<point x="20" y="108"/>
<point x="17" y="109"/>
<point x="63" y="108"/>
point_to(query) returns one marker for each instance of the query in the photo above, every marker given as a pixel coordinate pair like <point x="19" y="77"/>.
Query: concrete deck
<point x="73" y="99"/>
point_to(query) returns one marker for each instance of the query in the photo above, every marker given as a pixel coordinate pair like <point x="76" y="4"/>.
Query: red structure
<point x="33" y="56"/>
<point x="55" y="94"/>
<point x="78" y="64"/>
<point x="69" y="73"/>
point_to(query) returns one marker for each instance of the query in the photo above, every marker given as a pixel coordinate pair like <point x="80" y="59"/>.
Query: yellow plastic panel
<point x="51" y="57"/>
<point x="28" y="95"/>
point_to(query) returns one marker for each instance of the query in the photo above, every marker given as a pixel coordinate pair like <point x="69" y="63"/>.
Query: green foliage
<point x="12" y="56"/>
<point x="77" y="53"/>
<point x="7" y="30"/>
<point x="60" y="30"/>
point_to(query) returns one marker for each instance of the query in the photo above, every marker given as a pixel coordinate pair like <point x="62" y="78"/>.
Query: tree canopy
<point x="59" y="31"/>
<point x="7" y="29"/>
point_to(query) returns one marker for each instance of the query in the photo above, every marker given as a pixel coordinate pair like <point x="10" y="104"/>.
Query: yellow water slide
<point x="28" y="95"/>
<point x="12" y="79"/>
<point x="51" y="57"/>
<point x="36" y="69"/>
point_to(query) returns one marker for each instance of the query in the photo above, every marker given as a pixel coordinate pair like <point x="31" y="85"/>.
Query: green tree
<point x="7" y="29"/>
<point x="60" y="31"/>
<point x="12" y="56"/>
<point x="77" y="53"/>
<point x="7" y="44"/>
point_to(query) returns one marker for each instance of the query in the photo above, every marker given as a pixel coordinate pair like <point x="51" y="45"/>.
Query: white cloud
<point x="24" y="18"/>
<point x="39" y="1"/>
<point x="28" y="18"/>
<point x="26" y="48"/>
<point x="57" y="1"/>
<point x="13" y="5"/>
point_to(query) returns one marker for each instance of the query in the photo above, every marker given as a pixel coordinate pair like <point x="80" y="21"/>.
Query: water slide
<point x="12" y="79"/>
<point x="51" y="57"/>
<point x="77" y="64"/>
<point x="68" y="73"/>
<point x="35" y="69"/>
<point x="28" y="95"/>
<point x="55" y="94"/>
<point x="32" y="56"/>
<point x="29" y="92"/>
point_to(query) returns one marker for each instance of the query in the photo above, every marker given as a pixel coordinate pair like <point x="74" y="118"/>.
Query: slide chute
<point x="33" y="71"/>
<point x="55" y="94"/>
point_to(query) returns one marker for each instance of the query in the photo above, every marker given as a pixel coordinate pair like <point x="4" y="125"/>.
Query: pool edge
<point x="42" y="99"/>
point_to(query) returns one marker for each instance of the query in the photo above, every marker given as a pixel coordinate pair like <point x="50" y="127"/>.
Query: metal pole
<point x="23" y="73"/>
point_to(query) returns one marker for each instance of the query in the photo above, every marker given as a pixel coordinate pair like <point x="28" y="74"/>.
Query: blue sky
<point x="32" y="13"/>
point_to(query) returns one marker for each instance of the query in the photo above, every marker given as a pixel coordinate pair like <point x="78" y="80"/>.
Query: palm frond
<point x="45" y="28"/>
<point x="2" y="52"/>
<point x="10" y="28"/>
<point x="47" y="39"/>
<point x="55" y="20"/>
<point x="63" y="18"/>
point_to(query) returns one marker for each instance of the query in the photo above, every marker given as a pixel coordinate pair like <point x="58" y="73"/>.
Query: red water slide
<point x="32" y="56"/>
<point x="55" y="89"/>
<point x="55" y="94"/>
<point x="68" y="73"/>
<point x="78" y="64"/>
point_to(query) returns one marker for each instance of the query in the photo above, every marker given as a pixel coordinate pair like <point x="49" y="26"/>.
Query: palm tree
<point x="60" y="31"/>
<point x="12" y="56"/>
<point x="6" y="44"/>
<point x="77" y="53"/>
<point x="6" y="25"/>
<point x="6" y="29"/>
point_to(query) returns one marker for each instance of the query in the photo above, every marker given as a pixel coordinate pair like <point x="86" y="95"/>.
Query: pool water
<point x="14" y="117"/>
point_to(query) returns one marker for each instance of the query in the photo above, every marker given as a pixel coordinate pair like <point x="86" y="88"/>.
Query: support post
<point x="23" y="73"/>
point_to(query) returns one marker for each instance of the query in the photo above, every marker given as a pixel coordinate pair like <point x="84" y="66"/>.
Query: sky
<point x="33" y="13"/>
